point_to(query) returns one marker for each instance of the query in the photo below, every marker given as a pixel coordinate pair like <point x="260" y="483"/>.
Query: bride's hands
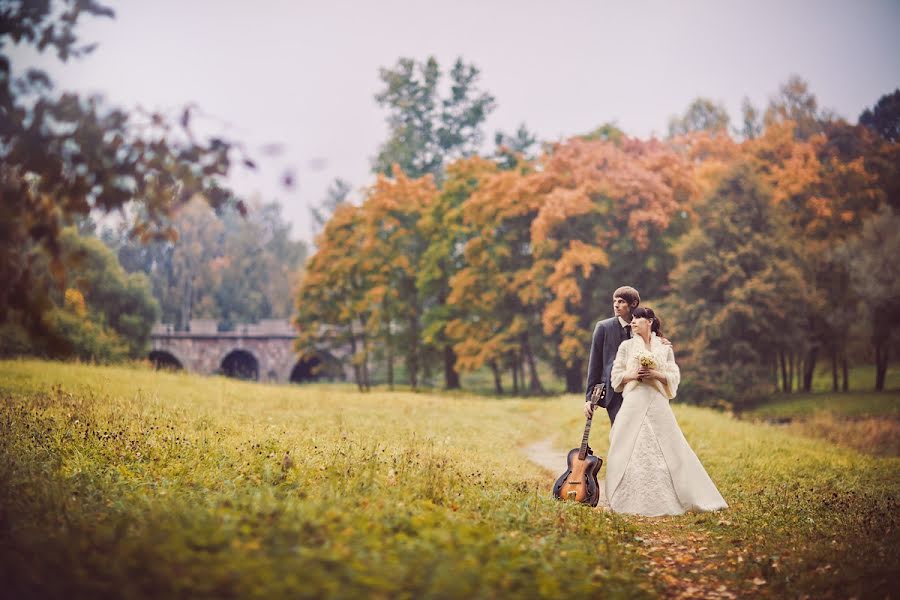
<point x="650" y="374"/>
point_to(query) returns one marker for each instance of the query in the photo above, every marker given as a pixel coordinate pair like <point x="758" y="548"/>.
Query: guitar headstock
<point x="598" y="394"/>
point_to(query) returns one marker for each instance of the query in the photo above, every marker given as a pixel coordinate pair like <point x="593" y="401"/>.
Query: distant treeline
<point x="766" y="250"/>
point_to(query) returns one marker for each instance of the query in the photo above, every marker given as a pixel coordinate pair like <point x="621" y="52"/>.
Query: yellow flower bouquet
<point x="647" y="360"/>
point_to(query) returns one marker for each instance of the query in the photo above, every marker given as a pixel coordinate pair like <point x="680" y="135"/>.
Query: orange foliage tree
<point x="332" y="304"/>
<point x="606" y="215"/>
<point x="393" y="246"/>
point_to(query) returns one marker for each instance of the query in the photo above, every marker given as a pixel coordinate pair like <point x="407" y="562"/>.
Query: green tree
<point x="751" y="120"/>
<point x="871" y="259"/>
<point x="101" y="313"/>
<point x="701" y="115"/>
<point x="737" y="294"/>
<point x="884" y="117"/>
<point x="428" y="130"/>
<point x="336" y="195"/>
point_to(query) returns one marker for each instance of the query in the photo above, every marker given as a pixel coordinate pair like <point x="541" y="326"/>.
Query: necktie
<point x="626" y="332"/>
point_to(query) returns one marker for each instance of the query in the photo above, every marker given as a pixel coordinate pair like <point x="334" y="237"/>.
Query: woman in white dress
<point x="651" y="469"/>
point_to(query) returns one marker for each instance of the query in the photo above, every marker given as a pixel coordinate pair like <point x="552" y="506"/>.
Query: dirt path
<point x="679" y="561"/>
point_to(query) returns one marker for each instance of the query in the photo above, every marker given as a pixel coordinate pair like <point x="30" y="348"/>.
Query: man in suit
<point x="608" y="334"/>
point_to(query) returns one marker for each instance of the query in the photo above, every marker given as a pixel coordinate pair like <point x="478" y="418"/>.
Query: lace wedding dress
<point x="651" y="469"/>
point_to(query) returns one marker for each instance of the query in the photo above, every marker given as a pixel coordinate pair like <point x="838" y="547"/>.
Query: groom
<point x="608" y="334"/>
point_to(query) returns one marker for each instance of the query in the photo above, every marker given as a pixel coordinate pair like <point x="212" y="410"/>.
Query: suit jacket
<point x="608" y="334"/>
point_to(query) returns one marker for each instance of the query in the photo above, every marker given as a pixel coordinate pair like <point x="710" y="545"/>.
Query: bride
<point x="651" y="469"/>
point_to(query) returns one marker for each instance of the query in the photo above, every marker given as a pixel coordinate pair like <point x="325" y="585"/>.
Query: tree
<point x="394" y="244"/>
<point x="884" y="117"/>
<point x="701" y="115"/>
<point x="794" y="102"/>
<point x="447" y="235"/>
<point x="735" y="294"/>
<point x="336" y="195"/>
<point x="333" y="304"/>
<point x="608" y="215"/>
<point x="871" y="259"/>
<point x="515" y="148"/>
<point x="499" y="309"/>
<point x="427" y="130"/>
<point x="225" y="266"/>
<point x="104" y="314"/>
<point x="64" y="156"/>
<point x="751" y="120"/>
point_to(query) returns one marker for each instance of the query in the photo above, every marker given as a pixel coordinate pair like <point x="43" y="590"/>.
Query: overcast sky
<point x="303" y="74"/>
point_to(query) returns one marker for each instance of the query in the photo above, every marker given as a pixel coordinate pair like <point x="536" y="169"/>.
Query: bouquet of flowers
<point x="647" y="360"/>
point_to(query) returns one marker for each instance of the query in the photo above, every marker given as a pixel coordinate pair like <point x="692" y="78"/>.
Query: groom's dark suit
<point x="608" y="334"/>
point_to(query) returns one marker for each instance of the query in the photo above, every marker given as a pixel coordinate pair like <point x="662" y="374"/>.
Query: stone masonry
<point x="269" y="344"/>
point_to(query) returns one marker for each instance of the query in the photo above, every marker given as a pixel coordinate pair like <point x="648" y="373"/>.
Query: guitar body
<point x="579" y="482"/>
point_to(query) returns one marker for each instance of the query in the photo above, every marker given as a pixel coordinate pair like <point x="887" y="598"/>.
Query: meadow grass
<point x="865" y="421"/>
<point x="850" y="404"/>
<point x="124" y="482"/>
<point x="861" y="378"/>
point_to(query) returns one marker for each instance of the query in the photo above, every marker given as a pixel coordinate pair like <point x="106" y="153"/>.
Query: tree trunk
<point x="367" y="383"/>
<point x="775" y="375"/>
<point x="186" y="304"/>
<point x="846" y="386"/>
<point x="790" y="373"/>
<point x="574" y="379"/>
<point x="389" y="356"/>
<point x="881" y="363"/>
<point x="808" y="368"/>
<point x="784" y="386"/>
<point x="514" y="368"/>
<point x="451" y="375"/>
<point x="357" y="374"/>
<point x="412" y="360"/>
<point x="534" y="385"/>
<point x="834" y="371"/>
<point x="498" y="384"/>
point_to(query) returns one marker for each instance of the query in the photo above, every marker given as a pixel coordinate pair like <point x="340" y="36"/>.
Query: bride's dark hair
<point x="642" y="312"/>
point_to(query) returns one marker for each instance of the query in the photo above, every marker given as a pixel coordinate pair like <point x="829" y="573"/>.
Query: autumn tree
<point x="394" y="244"/>
<point x="63" y="156"/>
<point x="443" y="227"/>
<point x="797" y="104"/>
<point x="499" y="323"/>
<point x="333" y="310"/>
<point x="822" y="189"/>
<point x="607" y="215"/>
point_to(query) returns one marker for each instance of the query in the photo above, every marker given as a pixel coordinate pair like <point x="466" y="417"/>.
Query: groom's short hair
<point x="628" y="294"/>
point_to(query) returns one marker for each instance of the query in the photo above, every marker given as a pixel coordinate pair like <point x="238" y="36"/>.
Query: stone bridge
<point x="260" y="352"/>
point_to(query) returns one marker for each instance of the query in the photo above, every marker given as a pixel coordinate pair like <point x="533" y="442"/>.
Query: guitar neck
<point x="584" y="440"/>
<point x="597" y="395"/>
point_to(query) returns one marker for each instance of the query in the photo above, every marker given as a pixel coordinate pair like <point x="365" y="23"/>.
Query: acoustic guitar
<point x="579" y="482"/>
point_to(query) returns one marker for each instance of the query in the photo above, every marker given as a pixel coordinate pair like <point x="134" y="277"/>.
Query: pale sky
<point x="304" y="74"/>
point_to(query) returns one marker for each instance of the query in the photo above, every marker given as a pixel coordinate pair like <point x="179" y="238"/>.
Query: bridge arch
<point x="321" y="366"/>
<point x="163" y="359"/>
<point x="240" y="364"/>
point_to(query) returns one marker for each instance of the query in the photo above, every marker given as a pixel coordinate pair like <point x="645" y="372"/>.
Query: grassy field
<point x="123" y="482"/>
<point x="865" y="421"/>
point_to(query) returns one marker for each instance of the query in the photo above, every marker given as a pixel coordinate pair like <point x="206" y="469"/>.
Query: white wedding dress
<point x="651" y="469"/>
